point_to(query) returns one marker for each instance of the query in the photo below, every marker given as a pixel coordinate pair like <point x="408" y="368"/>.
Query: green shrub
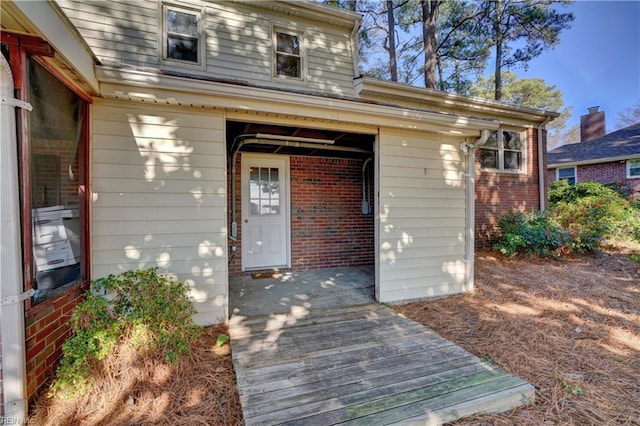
<point x="153" y="311"/>
<point x="562" y="191"/>
<point x="530" y="232"/>
<point x="591" y="212"/>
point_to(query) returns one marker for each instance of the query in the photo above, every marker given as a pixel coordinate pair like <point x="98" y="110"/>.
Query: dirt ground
<point x="571" y="327"/>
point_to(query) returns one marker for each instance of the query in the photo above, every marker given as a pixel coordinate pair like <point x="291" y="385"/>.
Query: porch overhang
<point x="243" y="102"/>
<point x="45" y="20"/>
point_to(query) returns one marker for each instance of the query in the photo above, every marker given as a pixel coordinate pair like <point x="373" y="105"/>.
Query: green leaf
<point x="222" y="339"/>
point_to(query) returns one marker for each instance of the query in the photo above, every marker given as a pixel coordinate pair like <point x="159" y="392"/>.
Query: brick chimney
<point x="592" y="125"/>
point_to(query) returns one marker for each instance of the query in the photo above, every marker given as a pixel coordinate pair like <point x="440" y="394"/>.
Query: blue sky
<point x="597" y="61"/>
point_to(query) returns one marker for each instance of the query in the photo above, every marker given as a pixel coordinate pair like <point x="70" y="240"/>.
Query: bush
<point x="530" y="232"/>
<point x="152" y="311"/>
<point x="562" y="191"/>
<point x="592" y="212"/>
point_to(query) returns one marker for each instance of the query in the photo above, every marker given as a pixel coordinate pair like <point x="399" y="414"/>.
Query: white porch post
<point x="11" y="285"/>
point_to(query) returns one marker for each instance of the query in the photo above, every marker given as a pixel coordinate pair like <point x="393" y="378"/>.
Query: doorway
<point x="265" y="212"/>
<point x="299" y="198"/>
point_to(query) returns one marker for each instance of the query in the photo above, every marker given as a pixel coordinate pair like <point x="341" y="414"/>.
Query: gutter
<point x="541" y="169"/>
<point x="355" y="48"/>
<point x="593" y="161"/>
<point x="469" y="150"/>
<point x="144" y="86"/>
<point x="12" y="298"/>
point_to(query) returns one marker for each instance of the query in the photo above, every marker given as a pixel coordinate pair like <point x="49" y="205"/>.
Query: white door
<point x="265" y="212"/>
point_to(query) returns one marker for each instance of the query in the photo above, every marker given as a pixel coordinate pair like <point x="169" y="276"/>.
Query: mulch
<point x="570" y="327"/>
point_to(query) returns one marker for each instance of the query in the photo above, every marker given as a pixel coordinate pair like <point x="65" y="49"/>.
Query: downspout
<point x="542" y="171"/>
<point x="355" y="49"/>
<point x="11" y="287"/>
<point x="469" y="150"/>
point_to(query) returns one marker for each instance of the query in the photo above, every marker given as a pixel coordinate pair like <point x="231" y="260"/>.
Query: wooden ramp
<point x="360" y="365"/>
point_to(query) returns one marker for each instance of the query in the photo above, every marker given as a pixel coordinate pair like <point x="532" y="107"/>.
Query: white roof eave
<point x="380" y="88"/>
<point x="53" y="26"/>
<point x="149" y="86"/>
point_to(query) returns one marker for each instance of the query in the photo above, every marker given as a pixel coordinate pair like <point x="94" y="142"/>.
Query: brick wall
<point x="606" y="173"/>
<point x="327" y="225"/>
<point x="51" y="184"/>
<point x="47" y="327"/>
<point x="497" y="193"/>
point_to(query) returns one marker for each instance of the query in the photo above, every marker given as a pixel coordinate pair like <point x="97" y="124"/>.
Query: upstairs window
<point x="183" y="39"/>
<point x="568" y="174"/>
<point x="288" y="54"/>
<point x="503" y="151"/>
<point x="633" y="168"/>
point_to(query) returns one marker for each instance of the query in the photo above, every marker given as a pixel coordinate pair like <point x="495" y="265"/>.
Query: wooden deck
<point x="361" y="365"/>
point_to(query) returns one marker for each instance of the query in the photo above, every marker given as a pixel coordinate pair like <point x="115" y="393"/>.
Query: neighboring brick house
<point x="612" y="158"/>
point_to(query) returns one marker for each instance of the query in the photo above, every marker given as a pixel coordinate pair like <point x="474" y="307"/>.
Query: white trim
<point x="380" y="88"/>
<point x="302" y="55"/>
<point x="524" y="141"/>
<point x="628" y="168"/>
<point x="163" y="34"/>
<point x="588" y="162"/>
<point x="286" y="213"/>
<point x="144" y="86"/>
<point x="55" y="28"/>
<point x="575" y="173"/>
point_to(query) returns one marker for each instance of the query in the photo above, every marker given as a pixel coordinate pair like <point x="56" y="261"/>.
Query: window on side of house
<point x="633" y="168"/>
<point x="567" y="173"/>
<point x="183" y="38"/>
<point x="288" y="54"/>
<point x="57" y="182"/>
<point x="504" y="151"/>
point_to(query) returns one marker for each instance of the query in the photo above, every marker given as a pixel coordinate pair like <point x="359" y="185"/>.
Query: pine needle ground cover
<point x="570" y="327"/>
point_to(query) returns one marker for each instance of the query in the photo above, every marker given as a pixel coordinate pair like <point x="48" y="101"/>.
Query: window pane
<point x="55" y="143"/>
<point x="489" y="158"/>
<point x="492" y="142"/>
<point x="182" y="23"/>
<point x="566" y="172"/>
<point x="288" y="43"/>
<point x="512" y="140"/>
<point x="275" y="184"/>
<point x="634" y="168"/>
<point x="288" y="66"/>
<point x="512" y="160"/>
<point x="264" y="191"/>
<point x="182" y="48"/>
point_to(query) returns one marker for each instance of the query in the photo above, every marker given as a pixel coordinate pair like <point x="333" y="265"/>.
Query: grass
<point x="570" y="327"/>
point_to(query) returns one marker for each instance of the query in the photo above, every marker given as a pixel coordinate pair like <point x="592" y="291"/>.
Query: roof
<point x="404" y="94"/>
<point x="619" y="145"/>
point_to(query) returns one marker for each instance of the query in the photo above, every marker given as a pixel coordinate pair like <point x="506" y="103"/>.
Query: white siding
<point x="422" y="216"/>
<point x="159" y="197"/>
<point x="238" y="42"/>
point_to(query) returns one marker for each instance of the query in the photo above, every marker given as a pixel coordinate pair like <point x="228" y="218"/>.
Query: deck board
<point x="361" y="365"/>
